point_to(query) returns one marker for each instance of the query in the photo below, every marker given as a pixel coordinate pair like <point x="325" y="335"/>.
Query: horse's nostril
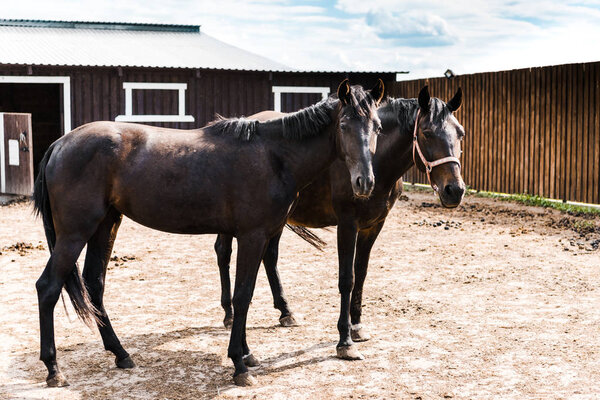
<point x="359" y="182"/>
<point x="448" y="190"/>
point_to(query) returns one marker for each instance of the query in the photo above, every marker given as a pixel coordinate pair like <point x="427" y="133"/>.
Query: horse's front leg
<point x="223" y="250"/>
<point x="279" y="300"/>
<point x="251" y="249"/>
<point x="364" y="244"/>
<point x="346" y="236"/>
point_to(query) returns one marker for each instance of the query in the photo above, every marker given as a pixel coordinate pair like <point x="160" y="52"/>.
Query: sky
<point x="424" y="37"/>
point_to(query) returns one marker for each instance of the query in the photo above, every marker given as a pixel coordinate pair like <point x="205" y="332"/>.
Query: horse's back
<point x="167" y="179"/>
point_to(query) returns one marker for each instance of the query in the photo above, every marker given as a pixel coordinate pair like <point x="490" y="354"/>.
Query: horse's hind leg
<point x="49" y="285"/>
<point x="279" y="300"/>
<point x="223" y="250"/>
<point x="364" y="244"/>
<point x="99" y="248"/>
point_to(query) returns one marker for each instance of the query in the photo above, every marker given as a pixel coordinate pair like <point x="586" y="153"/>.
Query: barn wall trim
<point x="130" y="117"/>
<point x="65" y="81"/>
<point x="278" y="90"/>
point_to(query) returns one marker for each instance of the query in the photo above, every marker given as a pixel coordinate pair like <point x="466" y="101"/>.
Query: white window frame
<point x="130" y="117"/>
<point x="65" y="81"/>
<point x="278" y="90"/>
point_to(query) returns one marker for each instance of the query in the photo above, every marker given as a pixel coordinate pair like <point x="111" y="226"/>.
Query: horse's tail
<point x="74" y="284"/>
<point x="308" y="236"/>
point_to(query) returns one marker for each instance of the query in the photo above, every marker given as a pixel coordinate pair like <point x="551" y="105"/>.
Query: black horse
<point x="414" y="131"/>
<point x="237" y="177"/>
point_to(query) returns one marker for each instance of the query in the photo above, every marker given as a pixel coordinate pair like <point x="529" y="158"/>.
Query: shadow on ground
<point x="160" y="373"/>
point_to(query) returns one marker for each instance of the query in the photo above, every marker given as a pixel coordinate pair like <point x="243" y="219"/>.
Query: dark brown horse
<point x="329" y="201"/>
<point x="237" y="177"/>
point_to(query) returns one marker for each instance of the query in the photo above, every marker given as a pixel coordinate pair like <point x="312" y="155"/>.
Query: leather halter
<point x="429" y="165"/>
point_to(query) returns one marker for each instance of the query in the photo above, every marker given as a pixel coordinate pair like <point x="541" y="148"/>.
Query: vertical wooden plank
<point x="480" y="134"/>
<point x="545" y="172"/>
<point x="478" y="130"/>
<point x="576" y="143"/>
<point x="561" y="131"/>
<point x="528" y="134"/>
<point x="525" y="130"/>
<point x="489" y="132"/>
<point x="569" y="138"/>
<point x="512" y="170"/>
<point x="105" y="95"/>
<point x="515" y="132"/>
<point x="538" y="133"/>
<point x="494" y="112"/>
<point x="113" y="89"/>
<point x="592" y="169"/>
<point x="566" y="128"/>
<point x="584" y="130"/>
<point x="467" y="122"/>
<point x="503" y="170"/>
<point x="519" y="131"/>
<point x="553" y="132"/>
<point x="494" y="131"/>
<point x="506" y="172"/>
<point x="589" y="115"/>
<point x="535" y="173"/>
<point x="596" y="126"/>
<point x="87" y="97"/>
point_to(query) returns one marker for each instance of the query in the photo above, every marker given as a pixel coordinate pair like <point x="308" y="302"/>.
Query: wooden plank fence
<point x="534" y="130"/>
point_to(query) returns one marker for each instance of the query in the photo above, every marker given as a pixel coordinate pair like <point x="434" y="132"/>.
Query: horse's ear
<point x="343" y="92"/>
<point x="456" y="101"/>
<point x="377" y="91"/>
<point x="424" y="99"/>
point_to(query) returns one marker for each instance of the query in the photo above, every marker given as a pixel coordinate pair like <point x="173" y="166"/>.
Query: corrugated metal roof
<point x="43" y="43"/>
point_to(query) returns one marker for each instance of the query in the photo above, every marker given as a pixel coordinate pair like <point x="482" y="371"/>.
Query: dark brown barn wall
<point x="97" y="94"/>
<point x="534" y="130"/>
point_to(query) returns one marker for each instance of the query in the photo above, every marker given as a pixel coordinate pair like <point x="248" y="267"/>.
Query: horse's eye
<point x="428" y="133"/>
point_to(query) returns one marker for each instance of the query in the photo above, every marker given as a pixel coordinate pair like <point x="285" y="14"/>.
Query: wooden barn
<point x="66" y="74"/>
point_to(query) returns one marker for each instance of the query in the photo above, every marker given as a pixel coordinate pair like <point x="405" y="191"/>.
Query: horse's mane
<point x="307" y="122"/>
<point x="240" y="128"/>
<point x="403" y="110"/>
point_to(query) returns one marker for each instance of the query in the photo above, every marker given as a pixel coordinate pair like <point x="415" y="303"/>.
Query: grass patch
<point x="526" y="199"/>
<point x="539" y="201"/>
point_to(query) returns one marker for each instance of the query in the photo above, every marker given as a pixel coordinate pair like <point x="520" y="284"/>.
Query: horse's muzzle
<point x="452" y="194"/>
<point x="363" y="185"/>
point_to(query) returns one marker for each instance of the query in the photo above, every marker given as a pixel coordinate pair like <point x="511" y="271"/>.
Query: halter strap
<point x="429" y="165"/>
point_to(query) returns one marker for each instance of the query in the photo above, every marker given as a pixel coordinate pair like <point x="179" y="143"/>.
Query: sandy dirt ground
<point x="491" y="300"/>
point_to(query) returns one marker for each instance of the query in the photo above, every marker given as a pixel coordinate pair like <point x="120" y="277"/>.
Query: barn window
<point x="131" y="117"/>
<point x="278" y="90"/>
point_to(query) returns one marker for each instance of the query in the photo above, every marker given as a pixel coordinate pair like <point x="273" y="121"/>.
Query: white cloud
<point x="410" y="29"/>
<point x="425" y="37"/>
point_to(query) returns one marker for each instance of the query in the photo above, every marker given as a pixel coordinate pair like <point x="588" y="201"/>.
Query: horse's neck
<point x="303" y="158"/>
<point x="394" y="147"/>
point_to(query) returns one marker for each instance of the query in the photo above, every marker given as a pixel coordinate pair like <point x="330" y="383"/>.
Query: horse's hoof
<point x="125" y="363"/>
<point x="244" y="379"/>
<point x="228" y="322"/>
<point x="349" y="353"/>
<point x="58" y="380"/>
<point x="359" y="334"/>
<point x="251" y="361"/>
<point x="288" y="321"/>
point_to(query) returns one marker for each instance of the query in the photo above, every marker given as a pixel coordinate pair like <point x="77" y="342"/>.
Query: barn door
<point x="16" y="154"/>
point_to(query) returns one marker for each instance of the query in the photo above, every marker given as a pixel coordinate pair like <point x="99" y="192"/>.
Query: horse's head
<point x="436" y="146"/>
<point x="359" y="126"/>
